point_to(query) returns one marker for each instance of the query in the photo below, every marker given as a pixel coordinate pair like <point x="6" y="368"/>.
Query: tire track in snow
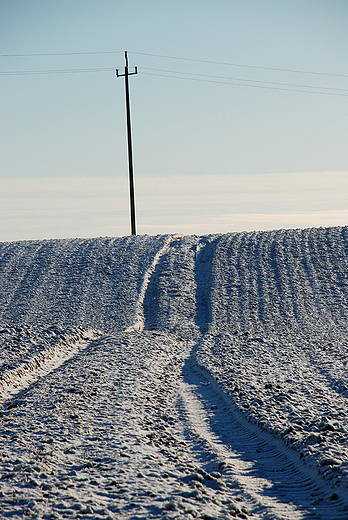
<point x="139" y="323"/>
<point x="272" y="480"/>
<point x="286" y="371"/>
<point x="29" y="372"/>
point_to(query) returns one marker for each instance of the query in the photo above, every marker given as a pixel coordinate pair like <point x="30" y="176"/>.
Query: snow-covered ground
<point x="175" y="377"/>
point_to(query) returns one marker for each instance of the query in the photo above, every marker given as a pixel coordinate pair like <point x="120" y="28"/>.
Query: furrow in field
<point x="282" y="358"/>
<point x="92" y="283"/>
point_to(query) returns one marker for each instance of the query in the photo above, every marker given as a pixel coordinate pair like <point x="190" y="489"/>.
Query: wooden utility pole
<point x="129" y="138"/>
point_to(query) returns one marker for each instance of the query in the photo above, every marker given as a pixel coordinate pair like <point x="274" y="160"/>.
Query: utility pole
<point x="129" y="138"/>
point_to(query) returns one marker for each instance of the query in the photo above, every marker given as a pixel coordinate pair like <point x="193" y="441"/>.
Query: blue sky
<point x="197" y="135"/>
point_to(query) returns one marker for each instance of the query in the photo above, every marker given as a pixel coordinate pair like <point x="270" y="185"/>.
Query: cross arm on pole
<point x="119" y="75"/>
<point x="126" y="70"/>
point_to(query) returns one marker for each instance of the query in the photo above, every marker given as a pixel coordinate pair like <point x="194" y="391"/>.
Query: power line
<point x="244" y="79"/>
<point x="164" y="56"/>
<point x="242" y="82"/>
<point x="54" y="71"/>
<point x="58" y="54"/>
<point x="241" y="65"/>
<point x="246" y="84"/>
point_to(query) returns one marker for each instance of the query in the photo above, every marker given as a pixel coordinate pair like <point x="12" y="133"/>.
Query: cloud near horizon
<point x="40" y="208"/>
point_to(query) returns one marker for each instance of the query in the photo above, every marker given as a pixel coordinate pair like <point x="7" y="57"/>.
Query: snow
<point x="175" y="377"/>
<point x="282" y="343"/>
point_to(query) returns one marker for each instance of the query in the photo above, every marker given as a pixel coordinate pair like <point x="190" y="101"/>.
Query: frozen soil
<point x="130" y="428"/>
<point x="175" y="377"/>
<point x="278" y="339"/>
<point x="110" y="440"/>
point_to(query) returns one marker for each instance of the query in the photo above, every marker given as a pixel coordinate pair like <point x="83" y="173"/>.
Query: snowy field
<point x="175" y="377"/>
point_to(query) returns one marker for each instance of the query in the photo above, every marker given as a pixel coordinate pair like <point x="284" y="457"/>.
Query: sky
<point x="239" y="116"/>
